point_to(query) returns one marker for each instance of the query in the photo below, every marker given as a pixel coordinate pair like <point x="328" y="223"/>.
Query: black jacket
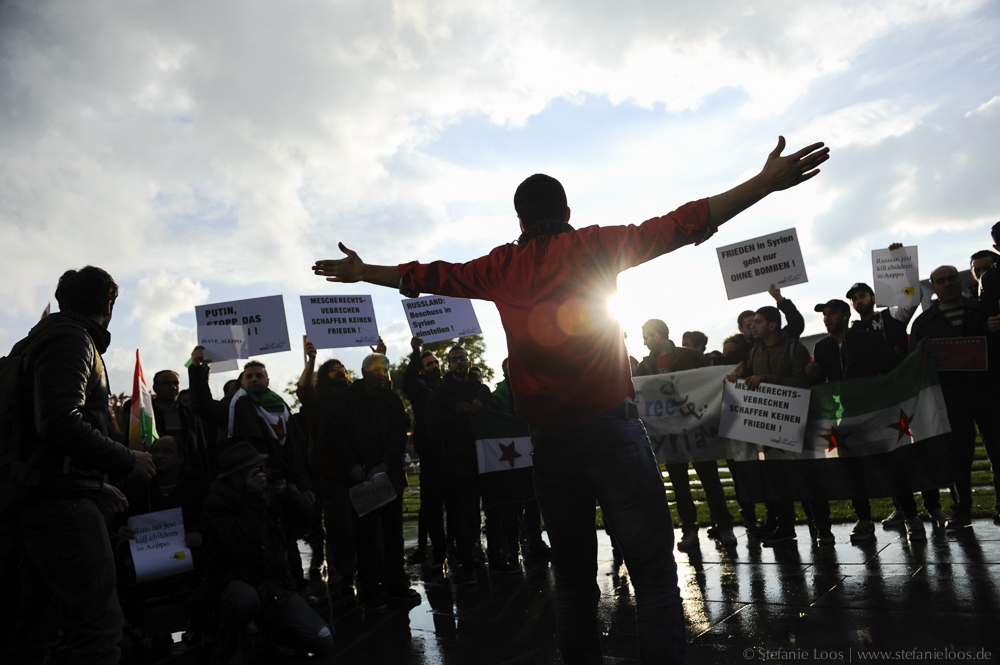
<point x="863" y="353"/>
<point x="198" y="454"/>
<point x="247" y="535"/>
<point x="932" y="323"/>
<point x="891" y="329"/>
<point x="362" y="430"/>
<point x="419" y="391"/>
<point x="683" y="359"/>
<point x="455" y="429"/>
<point x="68" y="388"/>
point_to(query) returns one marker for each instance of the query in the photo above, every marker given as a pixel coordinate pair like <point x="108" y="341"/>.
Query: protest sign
<point x="681" y="413"/>
<point x="372" y="494"/>
<point x="434" y="318"/>
<point x="158" y="549"/>
<point x="960" y="354"/>
<point x="334" y="322"/>
<point x="241" y="328"/>
<point x="753" y="265"/>
<point x="895" y="277"/>
<point x="771" y="415"/>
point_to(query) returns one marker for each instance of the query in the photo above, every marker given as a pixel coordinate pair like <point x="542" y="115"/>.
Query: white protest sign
<point x="158" y="549"/>
<point x="242" y="328"/>
<point x="334" y="322"/>
<point x="372" y="494"/>
<point x="753" y="265"/>
<point x="895" y="277"/>
<point x="771" y="415"/>
<point x="434" y="318"/>
<point x="681" y="413"/>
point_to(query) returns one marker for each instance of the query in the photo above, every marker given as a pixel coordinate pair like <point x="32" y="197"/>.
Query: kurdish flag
<point x="870" y="437"/>
<point x="141" y="425"/>
<point x="503" y="450"/>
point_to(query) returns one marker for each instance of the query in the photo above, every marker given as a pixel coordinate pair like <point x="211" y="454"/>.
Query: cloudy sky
<point x="211" y="151"/>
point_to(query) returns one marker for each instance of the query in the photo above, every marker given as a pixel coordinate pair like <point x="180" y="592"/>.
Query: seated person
<point x="245" y="519"/>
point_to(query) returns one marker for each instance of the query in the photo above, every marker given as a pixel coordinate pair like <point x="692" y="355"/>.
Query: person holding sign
<point x="775" y="359"/>
<point x="970" y="396"/>
<point x="570" y="376"/>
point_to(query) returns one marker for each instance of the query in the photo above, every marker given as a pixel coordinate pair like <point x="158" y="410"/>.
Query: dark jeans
<point x="68" y="576"/>
<point x="431" y="518"/>
<point x="339" y="519"/>
<point x="608" y="460"/>
<point x="390" y="519"/>
<point x="966" y="410"/>
<point x="708" y="473"/>
<point x="461" y="497"/>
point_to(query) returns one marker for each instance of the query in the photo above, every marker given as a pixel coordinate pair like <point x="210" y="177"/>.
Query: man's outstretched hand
<point x="348" y="269"/>
<point x="783" y="172"/>
<point x="352" y="269"/>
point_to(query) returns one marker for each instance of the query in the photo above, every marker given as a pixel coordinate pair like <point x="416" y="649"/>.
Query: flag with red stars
<point x="869" y="437"/>
<point x="502" y="445"/>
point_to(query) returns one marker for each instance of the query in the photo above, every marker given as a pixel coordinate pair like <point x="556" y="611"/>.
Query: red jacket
<point x="567" y="358"/>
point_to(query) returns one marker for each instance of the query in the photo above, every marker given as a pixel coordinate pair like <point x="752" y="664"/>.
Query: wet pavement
<point x="932" y="602"/>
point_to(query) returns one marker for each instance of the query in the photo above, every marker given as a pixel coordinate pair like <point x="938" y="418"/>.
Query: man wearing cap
<point x="847" y="354"/>
<point x="572" y="385"/>
<point x="244" y="521"/>
<point x="890" y="323"/>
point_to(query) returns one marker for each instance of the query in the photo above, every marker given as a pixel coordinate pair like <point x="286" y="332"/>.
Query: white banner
<point x="158" y="549"/>
<point x="771" y="415"/>
<point x="434" y="318"/>
<point x="681" y="413"/>
<point x="242" y="328"/>
<point x="753" y="265"/>
<point x="372" y="494"/>
<point x="896" y="279"/>
<point x="334" y="322"/>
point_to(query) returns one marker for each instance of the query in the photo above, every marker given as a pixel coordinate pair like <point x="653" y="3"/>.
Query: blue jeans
<point x="608" y="460"/>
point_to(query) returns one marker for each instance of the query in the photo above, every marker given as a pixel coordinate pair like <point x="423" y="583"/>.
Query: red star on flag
<point x="279" y="429"/>
<point x="903" y="426"/>
<point x="509" y="454"/>
<point x="835" y="439"/>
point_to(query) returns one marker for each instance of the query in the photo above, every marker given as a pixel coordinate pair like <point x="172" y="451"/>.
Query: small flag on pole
<point x="47" y="310"/>
<point x="141" y="425"/>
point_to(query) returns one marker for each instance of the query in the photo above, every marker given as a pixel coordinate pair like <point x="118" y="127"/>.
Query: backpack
<point x="18" y="470"/>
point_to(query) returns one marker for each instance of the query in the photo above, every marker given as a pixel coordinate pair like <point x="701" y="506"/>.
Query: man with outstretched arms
<point x="570" y="376"/>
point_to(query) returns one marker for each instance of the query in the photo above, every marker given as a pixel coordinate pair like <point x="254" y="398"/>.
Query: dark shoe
<point x="762" y="529"/>
<point x="505" y="568"/>
<point x="373" y="601"/>
<point x="824" y="538"/>
<point x="723" y="535"/>
<point x="403" y="594"/>
<point x="958" y="522"/>
<point x="418" y="555"/>
<point x="996" y="517"/>
<point x="688" y="541"/>
<point x="895" y="520"/>
<point x="863" y="530"/>
<point x="779" y="537"/>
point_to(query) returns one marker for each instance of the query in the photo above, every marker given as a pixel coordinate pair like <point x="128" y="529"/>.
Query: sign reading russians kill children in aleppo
<point x="752" y="266"/>
<point x="435" y="318"/>
<point x="242" y="328"/>
<point x="896" y="278"/>
<point x="771" y="415"/>
<point x="334" y="322"/>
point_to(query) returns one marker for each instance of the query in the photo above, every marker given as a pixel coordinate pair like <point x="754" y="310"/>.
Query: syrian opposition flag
<point x="871" y="437"/>
<point x="270" y="408"/>
<point x="141" y="425"/>
<point x="503" y="450"/>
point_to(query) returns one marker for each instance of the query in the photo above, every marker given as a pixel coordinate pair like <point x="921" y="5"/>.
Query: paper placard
<point x="960" y="354"/>
<point x="434" y="318"/>
<point x="896" y="279"/>
<point x="372" y="494"/>
<point x="158" y="549"/>
<point x="771" y="415"/>
<point x="334" y="322"/>
<point x="753" y="265"/>
<point x="242" y="328"/>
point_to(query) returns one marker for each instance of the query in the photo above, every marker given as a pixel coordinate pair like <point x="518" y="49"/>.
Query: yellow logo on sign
<point x="908" y="291"/>
<point x="178" y="556"/>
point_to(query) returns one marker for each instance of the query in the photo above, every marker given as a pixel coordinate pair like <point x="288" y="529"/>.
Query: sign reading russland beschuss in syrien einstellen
<point x="434" y="318"/>
<point x="751" y="266"/>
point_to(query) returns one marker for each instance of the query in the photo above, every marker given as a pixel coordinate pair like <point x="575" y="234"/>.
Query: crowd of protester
<point x="252" y="478"/>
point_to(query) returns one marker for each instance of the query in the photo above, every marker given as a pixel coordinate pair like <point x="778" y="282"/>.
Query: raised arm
<point x="778" y="173"/>
<point x="352" y="269"/>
